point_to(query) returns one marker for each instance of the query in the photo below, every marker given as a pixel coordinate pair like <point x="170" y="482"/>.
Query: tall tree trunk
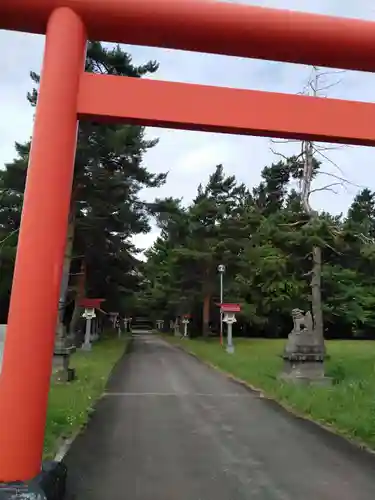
<point x="80" y="292"/>
<point x="316" y="291"/>
<point x="206" y="314"/>
<point x="316" y="271"/>
<point x="60" y="329"/>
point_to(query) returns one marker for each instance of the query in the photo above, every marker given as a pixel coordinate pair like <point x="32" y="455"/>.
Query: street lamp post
<point x="221" y="269"/>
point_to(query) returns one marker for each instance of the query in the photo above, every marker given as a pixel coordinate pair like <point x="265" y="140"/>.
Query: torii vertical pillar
<point x="27" y="362"/>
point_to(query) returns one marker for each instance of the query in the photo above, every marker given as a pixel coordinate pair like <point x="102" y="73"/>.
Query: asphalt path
<point x="171" y="428"/>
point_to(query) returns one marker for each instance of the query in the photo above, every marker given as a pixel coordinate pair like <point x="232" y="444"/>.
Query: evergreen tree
<point x="265" y="240"/>
<point x="106" y="209"/>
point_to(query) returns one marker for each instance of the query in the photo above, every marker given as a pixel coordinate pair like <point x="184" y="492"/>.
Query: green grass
<point x="348" y="405"/>
<point x="70" y="404"/>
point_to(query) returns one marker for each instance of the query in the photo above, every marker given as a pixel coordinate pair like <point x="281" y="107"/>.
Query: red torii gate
<point x="68" y="94"/>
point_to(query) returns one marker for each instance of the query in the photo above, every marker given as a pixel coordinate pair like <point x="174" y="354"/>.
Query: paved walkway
<point x="170" y="428"/>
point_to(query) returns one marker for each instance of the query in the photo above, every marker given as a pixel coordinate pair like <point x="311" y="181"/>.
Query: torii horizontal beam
<point x="212" y="27"/>
<point x="227" y="110"/>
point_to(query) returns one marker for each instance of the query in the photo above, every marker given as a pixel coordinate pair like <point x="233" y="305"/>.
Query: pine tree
<point x="106" y="209"/>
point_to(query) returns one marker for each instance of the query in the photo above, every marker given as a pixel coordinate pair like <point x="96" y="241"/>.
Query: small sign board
<point x="230" y="308"/>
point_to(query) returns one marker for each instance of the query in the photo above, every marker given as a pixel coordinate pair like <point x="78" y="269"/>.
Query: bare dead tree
<point x="315" y="87"/>
<point x="316" y="271"/>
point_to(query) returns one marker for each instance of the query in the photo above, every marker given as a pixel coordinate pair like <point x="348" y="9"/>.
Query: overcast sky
<point x="190" y="157"/>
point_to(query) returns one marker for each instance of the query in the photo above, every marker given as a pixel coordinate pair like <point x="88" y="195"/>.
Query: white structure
<point x="185" y="322"/>
<point x="89" y="314"/>
<point x="229" y="317"/>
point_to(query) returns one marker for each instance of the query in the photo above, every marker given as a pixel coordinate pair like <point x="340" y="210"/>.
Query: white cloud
<point x="190" y="156"/>
<point x="201" y="159"/>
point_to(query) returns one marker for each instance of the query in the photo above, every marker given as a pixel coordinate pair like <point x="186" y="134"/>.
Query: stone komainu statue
<point x="302" y="320"/>
<point x="303" y="343"/>
<point x="304" y="352"/>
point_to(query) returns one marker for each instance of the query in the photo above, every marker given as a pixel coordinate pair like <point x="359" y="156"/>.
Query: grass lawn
<point x="70" y="404"/>
<point x="348" y="406"/>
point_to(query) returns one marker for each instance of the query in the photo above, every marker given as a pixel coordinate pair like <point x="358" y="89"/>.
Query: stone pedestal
<point x="176" y="329"/>
<point x="50" y="484"/>
<point x="304" y="372"/>
<point x="87" y="346"/>
<point x="61" y="362"/>
<point x="304" y="353"/>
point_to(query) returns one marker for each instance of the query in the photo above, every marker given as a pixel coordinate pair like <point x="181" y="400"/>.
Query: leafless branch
<point x="329" y="86"/>
<point x="291" y="224"/>
<point x="279" y="154"/>
<point x="9" y="235"/>
<point x="336" y="147"/>
<point x="327" y="158"/>
<point x="314" y="82"/>
<point x="329" y="73"/>
<point x="309" y="273"/>
<point x="328" y="187"/>
<point x="329" y="174"/>
<point x="331" y="248"/>
<point x="286" y="158"/>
